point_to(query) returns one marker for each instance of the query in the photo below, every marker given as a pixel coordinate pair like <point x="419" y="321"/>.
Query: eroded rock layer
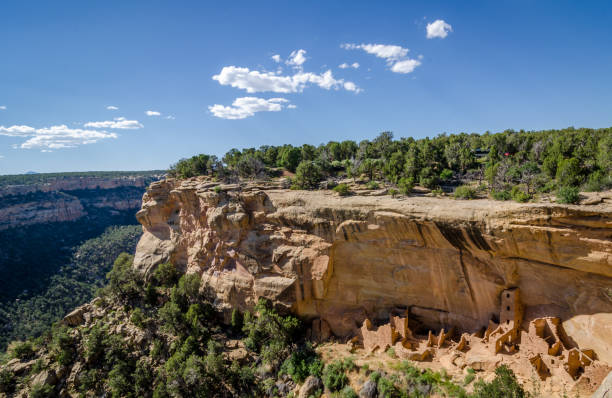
<point x="346" y="260"/>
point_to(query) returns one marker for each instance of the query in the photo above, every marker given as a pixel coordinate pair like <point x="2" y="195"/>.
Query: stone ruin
<point x="543" y="349"/>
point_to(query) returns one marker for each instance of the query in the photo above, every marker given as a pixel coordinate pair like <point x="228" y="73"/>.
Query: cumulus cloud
<point x="17" y="131"/>
<point x="117" y="123"/>
<point x="296" y="58"/>
<point x="244" y="107"/>
<point x="55" y="137"/>
<point x="354" y="65"/>
<point x="2" y="107"/>
<point x="405" y="66"/>
<point x="438" y="29"/>
<point x="396" y="56"/>
<point x="253" y="81"/>
<point x="291" y="106"/>
<point x="152" y="113"/>
<point x="170" y="117"/>
<point x="276" y="58"/>
<point x="112" y="108"/>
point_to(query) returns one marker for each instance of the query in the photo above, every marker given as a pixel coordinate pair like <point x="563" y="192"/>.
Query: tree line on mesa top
<point x="508" y="165"/>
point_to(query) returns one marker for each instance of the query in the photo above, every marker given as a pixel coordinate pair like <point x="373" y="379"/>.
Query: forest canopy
<point x="507" y="165"/>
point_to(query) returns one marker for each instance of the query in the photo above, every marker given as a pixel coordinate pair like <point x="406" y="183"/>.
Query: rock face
<point x="344" y="260"/>
<point x="67" y="199"/>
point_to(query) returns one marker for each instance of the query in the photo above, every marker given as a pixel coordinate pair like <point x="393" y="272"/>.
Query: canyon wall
<point x="347" y="259"/>
<point x="68" y="199"/>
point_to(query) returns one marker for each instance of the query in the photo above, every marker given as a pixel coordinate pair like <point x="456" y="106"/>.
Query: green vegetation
<point x="74" y="284"/>
<point x="342" y="189"/>
<point x="42" y="178"/>
<point x="465" y="192"/>
<point x="568" y="194"/>
<point x="515" y="164"/>
<point x="186" y="356"/>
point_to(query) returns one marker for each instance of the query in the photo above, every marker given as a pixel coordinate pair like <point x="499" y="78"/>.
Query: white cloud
<point x="354" y="65"/>
<point x="253" y="81"/>
<point x="2" y="107"/>
<point x="55" y="137"/>
<point x="117" y="123"/>
<point x="152" y="113"/>
<point x="350" y="86"/>
<point x="112" y="108"/>
<point x="386" y="51"/>
<point x="170" y="117"/>
<point x="244" y="107"/>
<point x="291" y="106"/>
<point x="276" y="58"/>
<point x="17" y="131"/>
<point x="296" y="58"/>
<point x="1" y="156"/>
<point x="406" y="66"/>
<point x="396" y="56"/>
<point x="439" y="29"/>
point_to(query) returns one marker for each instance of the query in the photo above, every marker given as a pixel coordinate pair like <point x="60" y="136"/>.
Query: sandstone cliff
<point x="68" y="199"/>
<point x="347" y="259"/>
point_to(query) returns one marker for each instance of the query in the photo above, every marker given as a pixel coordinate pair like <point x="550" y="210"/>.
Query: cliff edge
<point x="343" y="260"/>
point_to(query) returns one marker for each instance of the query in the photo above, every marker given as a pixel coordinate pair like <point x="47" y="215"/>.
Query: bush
<point x="465" y="192"/>
<point x="165" y="275"/>
<point x="137" y="318"/>
<point x="342" y="189"/>
<point x="446" y="175"/>
<point x="269" y="333"/>
<point x="308" y="175"/>
<point x="504" y="385"/>
<point x="372" y="185"/>
<point x="568" y="195"/>
<point x="518" y="195"/>
<point x="237" y="320"/>
<point x="41" y="391"/>
<point x="501" y="195"/>
<point x="7" y="381"/>
<point x="21" y="350"/>
<point x="405" y="185"/>
<point x="334" y="376"/>
<point x="302" y="363"/>
<point x="348" y="392"/>
<point x="393" y="192"/>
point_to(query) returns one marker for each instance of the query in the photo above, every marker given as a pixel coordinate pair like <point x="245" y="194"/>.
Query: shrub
<point x="501" y="195"/>
<point x="41" y="391"/>
<point x="372" y="185"/>
<point x="22" y="350"/>
<point x="568" y="172"/>
<point x="237" y="320"/>
<point x="405" y="185"/>
<point x="137" y="318"/>
<point x="388" y="389"/>
<point x="518" y="195"/>
<point x="464" y="192"/>
<point x="348" y="392"/>
<point x="165" y="274"/>
<point x="342" y="189"/>
<point x="269" y="333"/>
<point x="393" y="192"/>
<point x="446" y="175"/>
<point x="63" y="346"/>
<point x="569" y="195"/>
<point x="504" y="385"/>
<point x="308" y="175"/>
<point x="334" y="377"/>
<point x="7" y="381"/>
<point x="302" y="363"/>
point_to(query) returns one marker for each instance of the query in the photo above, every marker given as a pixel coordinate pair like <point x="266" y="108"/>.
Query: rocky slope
<point x="347" y="259"/>
<point x="67" y="199"/>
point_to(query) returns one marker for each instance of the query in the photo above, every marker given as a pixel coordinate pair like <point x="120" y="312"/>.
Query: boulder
<point x="310" y="386"/>
<point x="368" y="390"/>
<point x="605" y="389"/>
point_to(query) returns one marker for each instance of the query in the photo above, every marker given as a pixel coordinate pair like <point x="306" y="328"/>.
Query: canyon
<point x="68" y="199"/>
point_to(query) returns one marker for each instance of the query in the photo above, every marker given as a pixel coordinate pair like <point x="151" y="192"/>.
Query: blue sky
<point x="486" y="66"/>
